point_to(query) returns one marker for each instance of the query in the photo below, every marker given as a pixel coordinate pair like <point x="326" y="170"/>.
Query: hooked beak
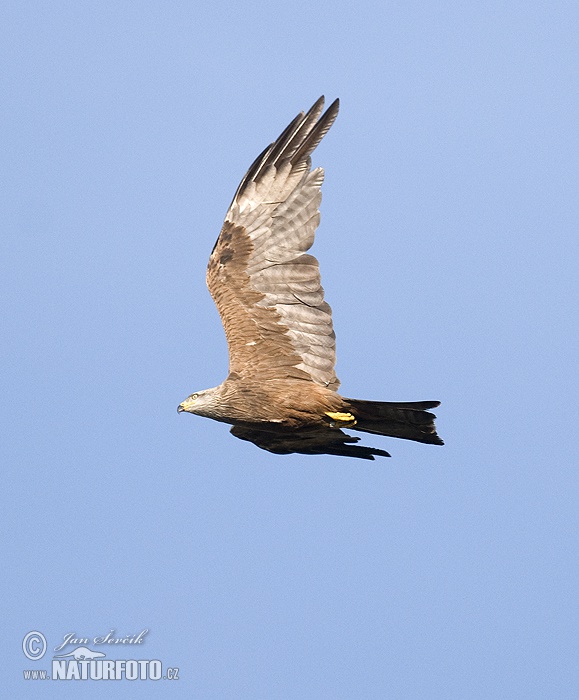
<point x="186" y="405"/>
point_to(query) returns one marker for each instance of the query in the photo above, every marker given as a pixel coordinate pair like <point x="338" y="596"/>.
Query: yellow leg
<point x="344" y="420"/>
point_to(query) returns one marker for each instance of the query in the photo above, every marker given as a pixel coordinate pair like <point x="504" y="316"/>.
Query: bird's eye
<point x="194" y="396"/>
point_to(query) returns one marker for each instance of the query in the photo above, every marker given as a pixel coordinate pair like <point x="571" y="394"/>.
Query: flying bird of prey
<point x="281" y="390"/>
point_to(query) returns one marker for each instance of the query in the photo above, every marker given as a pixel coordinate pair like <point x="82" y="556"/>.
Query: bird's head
<point x="200" y="402"/>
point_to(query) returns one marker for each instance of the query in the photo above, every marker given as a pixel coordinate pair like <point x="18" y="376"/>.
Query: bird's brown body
<point x="281" y="402"/>
<point x="281" y="391"/>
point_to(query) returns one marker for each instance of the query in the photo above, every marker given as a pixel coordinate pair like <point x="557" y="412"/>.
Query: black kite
<point x="281" y="391"/>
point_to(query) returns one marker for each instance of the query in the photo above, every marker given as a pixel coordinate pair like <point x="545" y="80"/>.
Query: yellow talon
<point x="345" y="418"/>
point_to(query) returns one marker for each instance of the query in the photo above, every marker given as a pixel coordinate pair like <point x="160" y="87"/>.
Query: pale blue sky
<point x="448" y="251"/>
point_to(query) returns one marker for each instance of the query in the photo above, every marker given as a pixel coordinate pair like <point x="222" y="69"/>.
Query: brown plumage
<point x="281" y="391"/>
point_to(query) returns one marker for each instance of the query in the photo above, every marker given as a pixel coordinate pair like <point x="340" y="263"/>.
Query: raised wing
<point x="266" y="287"/>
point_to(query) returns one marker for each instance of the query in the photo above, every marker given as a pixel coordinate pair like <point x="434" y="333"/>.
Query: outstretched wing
<point x="266" y="287"/>
<point x="308" y="441"/>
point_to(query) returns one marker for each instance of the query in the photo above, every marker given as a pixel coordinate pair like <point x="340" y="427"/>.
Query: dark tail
<point x="410" y="421"/>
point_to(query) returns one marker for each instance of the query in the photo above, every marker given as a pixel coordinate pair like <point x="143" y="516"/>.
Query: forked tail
<point x="410" y="421"/>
